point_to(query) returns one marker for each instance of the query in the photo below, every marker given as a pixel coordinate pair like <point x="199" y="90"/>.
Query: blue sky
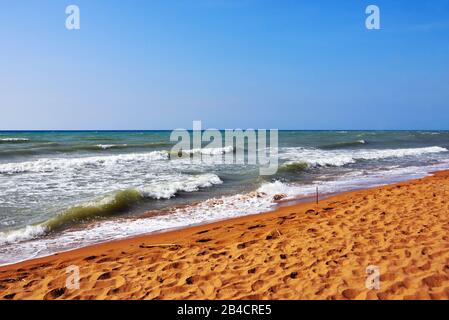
<point x="230" y="63"/>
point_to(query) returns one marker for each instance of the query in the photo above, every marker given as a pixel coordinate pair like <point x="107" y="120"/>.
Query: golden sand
<point x="306" y="251"/>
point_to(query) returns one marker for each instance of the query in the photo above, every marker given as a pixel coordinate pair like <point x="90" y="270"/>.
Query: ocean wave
<point x="430" y="133"/>
<point x="53" y="164"/>
<point x="294" y="166"/>
<point x="127" y="146"/>
<point x="187" y="184"/>
<point x="42" y="147"/>
<point x="14" y="140"/>
<point x="123" y="200"/>
<point x="322" y="158"/>
<point x="203" y="151"/>
<point x="212" y="151"/>
<point x="110" y="146"/>
<point x="271" y="189"/>
<point x="113" y="204"/>
<point x="260" y="200"/>
<point x="26" y="233"/>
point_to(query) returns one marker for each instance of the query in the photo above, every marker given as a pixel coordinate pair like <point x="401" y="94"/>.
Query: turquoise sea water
<point x="60" y="190"/>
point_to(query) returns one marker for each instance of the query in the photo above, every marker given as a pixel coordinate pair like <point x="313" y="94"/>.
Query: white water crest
<point x="14" y="139"/>
<point x="169" y="189"/>
<point x="54" y="164"/>
<point x="210" y="151"/>
<point x="110" y="146"/>
<point x="156" y="190"/>
<point x="23" y="234"/>
<point x="339" y="158"/>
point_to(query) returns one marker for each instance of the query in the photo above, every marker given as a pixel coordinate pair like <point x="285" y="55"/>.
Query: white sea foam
<point x="338" y="158"/>
<point x="431" y="133"/>
<point x="53" y="164"/>
<point x="110" y="146"/>
<point x="155" y="190"/>
<point x="27" y="233"/>
<point x="14" y="139"/>
<point x="210" y="151"/>
<point x="169" y="189"/>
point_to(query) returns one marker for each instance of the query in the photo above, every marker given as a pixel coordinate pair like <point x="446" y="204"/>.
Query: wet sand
<point x="305" y="251"/>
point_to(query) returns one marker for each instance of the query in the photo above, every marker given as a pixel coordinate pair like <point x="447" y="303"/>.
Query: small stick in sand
<point x="316" y="194"/>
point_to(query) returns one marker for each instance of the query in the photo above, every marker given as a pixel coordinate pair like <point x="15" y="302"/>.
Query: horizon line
<point x="168" y="130"/>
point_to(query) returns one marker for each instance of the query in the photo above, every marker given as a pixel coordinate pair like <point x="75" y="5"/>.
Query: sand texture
<point x="306" y="251"/>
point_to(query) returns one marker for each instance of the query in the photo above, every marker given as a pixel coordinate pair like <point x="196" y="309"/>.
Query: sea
<point x="61" y="190"/>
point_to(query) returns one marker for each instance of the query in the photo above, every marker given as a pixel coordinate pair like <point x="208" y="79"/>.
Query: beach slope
<point x="306" y="251"/>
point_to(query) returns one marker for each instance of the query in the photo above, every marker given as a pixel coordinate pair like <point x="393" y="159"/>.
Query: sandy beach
<point x="224" y="150"/>
<point x="305" y="251"/>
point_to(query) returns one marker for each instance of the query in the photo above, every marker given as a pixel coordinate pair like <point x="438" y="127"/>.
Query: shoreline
<point x="177" y="255"/>
<point x="281" y="204"/>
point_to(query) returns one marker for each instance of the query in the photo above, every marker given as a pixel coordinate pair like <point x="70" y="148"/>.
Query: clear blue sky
<point x="230" y="63"/>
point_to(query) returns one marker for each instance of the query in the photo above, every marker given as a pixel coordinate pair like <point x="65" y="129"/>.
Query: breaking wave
<point x="314" y="157"/>
<point x="110" y="146"/>
<point x="52" y="147"/>
<point x="294" y="166"/>
<point x="202" y="151"/>
<point x="53" y="164"/>
<point x="13" y="140"/>
<point x="112" y="204"/>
